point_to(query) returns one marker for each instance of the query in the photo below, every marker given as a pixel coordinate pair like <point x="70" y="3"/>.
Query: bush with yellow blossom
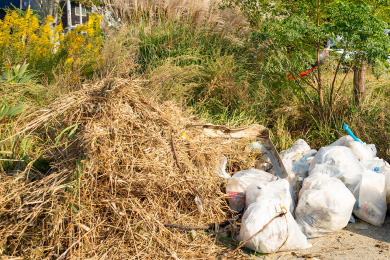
<point x="23" y="39"/>
<point x="82" y="46"/>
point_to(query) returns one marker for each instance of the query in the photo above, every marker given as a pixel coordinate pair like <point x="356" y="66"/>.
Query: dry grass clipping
<point x="112" y="189"/>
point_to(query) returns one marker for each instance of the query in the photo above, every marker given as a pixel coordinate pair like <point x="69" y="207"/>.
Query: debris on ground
<point x="329" y="185"/>
<point x="116" y="188"/>
<point x="147" y="180"/>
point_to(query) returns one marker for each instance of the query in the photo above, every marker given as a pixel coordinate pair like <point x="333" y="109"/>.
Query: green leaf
<point x="15" y="110"/>
<point x="17" y="74"/>
<point x="26" y="78"/>
<point x="74" y="208"/>
<point x="72" y="129"/>
<point x="225" y="239"/>
<point x="22" y="70"/>
<point x="3" y="111"/>
<point x="16" y="70"/>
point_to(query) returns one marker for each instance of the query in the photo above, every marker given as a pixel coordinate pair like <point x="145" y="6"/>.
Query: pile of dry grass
<point x="112" y="190"/>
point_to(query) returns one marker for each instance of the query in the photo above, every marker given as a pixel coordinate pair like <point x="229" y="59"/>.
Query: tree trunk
<point x="320" y="91"/>
<point x="359" y="82"/>
<point x="319" y="84"/>
<point x="50" y="7"/>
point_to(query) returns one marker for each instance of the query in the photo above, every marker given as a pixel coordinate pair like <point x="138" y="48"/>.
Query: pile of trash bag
<point x="319" y="195"/>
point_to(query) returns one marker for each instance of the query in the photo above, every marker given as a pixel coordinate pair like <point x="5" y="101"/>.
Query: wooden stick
<point x="210" y="227"/>
<point x="187" y="227"/>
<point x="285" y="240"/>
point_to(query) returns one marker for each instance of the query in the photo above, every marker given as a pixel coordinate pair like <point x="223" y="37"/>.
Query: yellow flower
<point x="22" y="38"/>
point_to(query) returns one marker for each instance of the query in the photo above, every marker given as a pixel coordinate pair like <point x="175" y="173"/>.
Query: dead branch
<point x="210" y="227"/>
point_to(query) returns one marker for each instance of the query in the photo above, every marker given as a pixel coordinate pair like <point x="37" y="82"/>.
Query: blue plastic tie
<point x="345" y="127"/>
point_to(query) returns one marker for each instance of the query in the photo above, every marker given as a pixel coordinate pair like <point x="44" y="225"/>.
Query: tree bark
<point x="359" y="81"/>
<point x="49" y="7"/>
<point x="319" y="80"/>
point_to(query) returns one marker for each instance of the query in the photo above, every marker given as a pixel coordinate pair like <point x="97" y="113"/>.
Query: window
<point x="83" y="10"/>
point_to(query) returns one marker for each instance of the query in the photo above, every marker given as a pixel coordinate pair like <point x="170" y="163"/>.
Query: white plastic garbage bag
<point x="371" y="198"/>
<point x="350" y="179"/>
<point x="282" y="234"/>
<point x="348" y="166"/>
<point x="380" y="166"/>
<point x="300" y="168"/>
<point x="330" y="170"/>
<point x="238" y="184"/>
<point x="253" y="146"/>
<point x="296" y="160"/>
<point x="258" y="146"/>
<point x="361" y="151"/>
<point x="374" y="164"/>
<point x="325" y="205"/>
<point x="279" y="189"/>
<point x="387" y="183"/>
<point x="267" y="167"/>
<point x="298" y="147"/>
<point x="264" y="162"/>
<point x="221" y="168"/>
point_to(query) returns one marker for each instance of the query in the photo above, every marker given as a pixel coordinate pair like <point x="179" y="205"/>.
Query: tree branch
<point x="307" y="96"/>
<point x="308" y="83"/>
<point x="334" y="80"/>
<point x="342" y="82"/>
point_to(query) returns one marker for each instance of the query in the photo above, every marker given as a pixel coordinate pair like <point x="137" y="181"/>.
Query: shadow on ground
<point x="357" y="241"/>
<point x="364" y="229"/>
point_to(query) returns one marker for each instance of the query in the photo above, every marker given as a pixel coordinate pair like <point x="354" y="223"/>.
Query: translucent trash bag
<point x="298" y="147"/>
<point x="362" y="151"/>
<point x="345" y="164"/>
<point x="279" y="189"/>
<point x="375" y="164"/>
<point x="296" y="160"/>
<point x="386" y="172"/>
<point x="238" y="184"/>
<point x="325" y="205"/>
<point x="282" y="234"/>
<point x="221" y="168"/>
<point x="370" y="197"/>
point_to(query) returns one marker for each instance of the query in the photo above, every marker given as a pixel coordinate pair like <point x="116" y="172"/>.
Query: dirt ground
<point x="357" y="241"/>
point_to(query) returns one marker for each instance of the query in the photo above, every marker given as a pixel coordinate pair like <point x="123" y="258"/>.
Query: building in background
<point x="73" y="14"/>
<point x="21" y="4"/>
